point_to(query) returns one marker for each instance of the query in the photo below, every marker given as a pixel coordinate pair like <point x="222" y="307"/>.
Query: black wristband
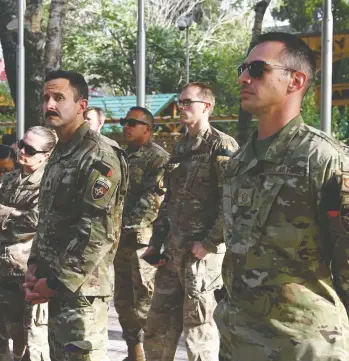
<point x="53" y="283"/>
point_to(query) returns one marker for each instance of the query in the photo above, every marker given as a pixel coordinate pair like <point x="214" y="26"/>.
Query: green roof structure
<point x="117" y="107"/>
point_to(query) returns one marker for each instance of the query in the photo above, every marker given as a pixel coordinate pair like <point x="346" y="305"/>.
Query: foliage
<point x="7" y="114"/>
<point x="305" y="14"/>
<point x="103" y="47"/>
<point x="310" y="113"/>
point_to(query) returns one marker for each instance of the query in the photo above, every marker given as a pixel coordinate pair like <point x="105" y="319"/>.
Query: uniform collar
<point x="36" y="176"/>
<point x="193" y="142"/>
<point x="65" y="149"/>
<point x="278" y="146"/>
<point x="140" y="151"/>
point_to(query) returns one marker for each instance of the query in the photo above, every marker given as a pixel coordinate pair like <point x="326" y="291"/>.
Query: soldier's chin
<point x="183" y="120"/>
<point x="52" y="120"/>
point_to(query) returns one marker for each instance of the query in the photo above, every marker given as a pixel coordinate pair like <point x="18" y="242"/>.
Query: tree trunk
<point x="245" y="118"/>
<point x="34" y="44"/>
<point x="8" y="42"/>
<point x="34" y="64"/>
<point x="54" y="39"/>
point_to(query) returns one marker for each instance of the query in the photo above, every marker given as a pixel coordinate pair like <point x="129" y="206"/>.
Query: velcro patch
<point x="102" y="168"/>
<point x="100" y="188"/>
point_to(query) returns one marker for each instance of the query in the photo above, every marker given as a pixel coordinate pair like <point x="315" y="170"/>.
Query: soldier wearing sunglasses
<point x="134" y="277"/>
<point x="285" y="202"/>
<point x="25" y="324"/>
<point x="190" y="228"/>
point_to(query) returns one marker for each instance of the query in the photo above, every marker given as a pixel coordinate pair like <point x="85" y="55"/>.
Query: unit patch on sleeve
<point x="100" y="188"/>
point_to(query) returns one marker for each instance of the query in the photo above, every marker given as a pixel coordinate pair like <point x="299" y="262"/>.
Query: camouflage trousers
<point x="184" y="300"/>
<point x="25" y="324"/>
<point x="134" y="287"/>
<point x="78" y="328"/>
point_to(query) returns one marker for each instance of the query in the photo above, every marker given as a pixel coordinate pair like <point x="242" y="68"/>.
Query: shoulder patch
<point x="100" y="188"/>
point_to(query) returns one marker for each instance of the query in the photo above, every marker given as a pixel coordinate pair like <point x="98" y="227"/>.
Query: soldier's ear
<point x="297" y="82"/>
<point x="82" y="105"/>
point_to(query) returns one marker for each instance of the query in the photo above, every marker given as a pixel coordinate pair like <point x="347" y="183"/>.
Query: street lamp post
<point x="326" y="68"/>
<point x="20" y="94"/>
<point x="187" y="55"/>
<point x="183" y="23"/>
<point x="140" y="58"/>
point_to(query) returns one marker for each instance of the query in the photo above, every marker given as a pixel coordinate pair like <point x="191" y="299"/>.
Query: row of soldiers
<point x="269" y="220"/>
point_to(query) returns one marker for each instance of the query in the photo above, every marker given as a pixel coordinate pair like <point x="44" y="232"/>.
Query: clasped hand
<point x="36" y="289"/>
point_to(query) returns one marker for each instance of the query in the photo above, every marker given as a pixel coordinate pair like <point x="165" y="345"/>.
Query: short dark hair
<point x="296" y="54"/>
<point x="76" y="81"/>
<point x="7" y="152"/>
<point x="148" y="115"/>
<point x="9" y="139"/>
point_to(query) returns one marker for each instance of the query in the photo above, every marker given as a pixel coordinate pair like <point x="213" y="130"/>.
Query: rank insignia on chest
<point x="100" y="188"/>
<point x="245" y="197"/>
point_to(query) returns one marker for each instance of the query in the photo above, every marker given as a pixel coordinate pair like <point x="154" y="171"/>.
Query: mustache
<point x="51" y="113"/>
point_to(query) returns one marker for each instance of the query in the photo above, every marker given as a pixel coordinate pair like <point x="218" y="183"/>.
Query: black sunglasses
<point x="131" y="122"/>
<point x="257" y="68"/>
<point x="188" y="102"/>
<point x="28" y="148"/>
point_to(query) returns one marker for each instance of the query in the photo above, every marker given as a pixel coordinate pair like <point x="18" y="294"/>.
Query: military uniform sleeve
<point x="333" y="217"/>
<point x="95" y="229"/>
<point x="147" y="208"/>
<point x="223" y="151"/>
<point x="16" y="225"/>
<point x="161" y="226"/>
<point x="24" y="223"/>
<point x="5" y="213"/>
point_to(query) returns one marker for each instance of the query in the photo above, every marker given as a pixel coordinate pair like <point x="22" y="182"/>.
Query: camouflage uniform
<point x="134" y="278"/>
<point x="286" y="266"/>
<point x="184" y="286"/>
<point x="81" y="201"/>
<point x="26" y="325"/>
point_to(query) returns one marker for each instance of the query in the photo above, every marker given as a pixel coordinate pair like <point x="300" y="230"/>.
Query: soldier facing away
<point x="95" y="117"/>
<point x="134" y="277"/>
<point x="285" y="201"/>
<point x="25" y="324"/>
<point x="190" y="226"/>
<point x="81" y="202"/>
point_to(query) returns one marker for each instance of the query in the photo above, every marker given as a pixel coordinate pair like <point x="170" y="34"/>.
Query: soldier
<point x="26" y="325"/>
<point x="190" y="221"/>
<point x="285" y="200"/>
<point x="7" y="159"/>
<point x="134" y="277"/>
<point x="81" y="201"/>
<point x="95" y="117"/>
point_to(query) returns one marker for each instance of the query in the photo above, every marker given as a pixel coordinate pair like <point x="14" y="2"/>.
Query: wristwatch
<point x="53" y="283"/>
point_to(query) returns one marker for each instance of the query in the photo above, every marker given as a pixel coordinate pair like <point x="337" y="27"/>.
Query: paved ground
<point x="117" y="349"/>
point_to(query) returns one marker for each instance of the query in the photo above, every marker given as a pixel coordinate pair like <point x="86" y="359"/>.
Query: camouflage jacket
<point x="145" y="191"/>
<point x="17" y="232"/>
<point x="191" y="209"/>
<point x="81" y="201"/>
<point x="286" y="268"/>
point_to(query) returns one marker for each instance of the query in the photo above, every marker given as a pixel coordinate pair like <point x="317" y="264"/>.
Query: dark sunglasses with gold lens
<point x="28" y="148"/>
<point x="131" y="122"/>
<point x="257" y="68"/>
